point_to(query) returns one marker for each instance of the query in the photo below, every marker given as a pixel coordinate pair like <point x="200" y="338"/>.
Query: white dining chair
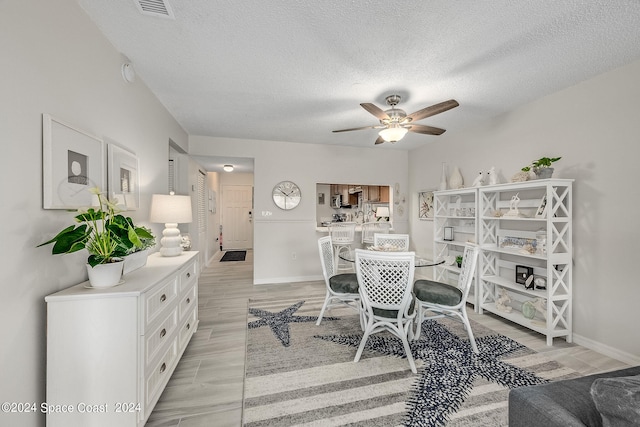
<point x="399" y="241"/>
<point x="342" y="237"/>
<point x="386" y="283"/>
<point x="371" y="228"/>
<point x="342" y="289"/>
<point x="444" y="300"/>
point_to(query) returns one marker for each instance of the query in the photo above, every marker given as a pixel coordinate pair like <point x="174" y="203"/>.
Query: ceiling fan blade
<point x="360" y="128"/>
<point x="428" y="130"/>
<point x="433" y="110"/>
<point x="379" y="140"/>
<point x="376" y="111"/>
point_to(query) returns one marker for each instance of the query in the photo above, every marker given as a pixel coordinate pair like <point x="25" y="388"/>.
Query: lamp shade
<point x="382" y="212"/>
<point x="170" y="208"/>
<point x="393" y="133"/>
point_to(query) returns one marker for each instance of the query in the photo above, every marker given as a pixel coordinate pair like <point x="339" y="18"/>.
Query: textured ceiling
<point x="291" y="70"/>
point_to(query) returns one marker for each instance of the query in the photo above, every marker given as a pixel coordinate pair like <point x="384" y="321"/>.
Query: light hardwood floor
<point x="206" y="388"/>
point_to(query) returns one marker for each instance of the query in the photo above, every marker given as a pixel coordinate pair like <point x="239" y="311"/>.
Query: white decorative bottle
<point x="443" y="178"/>
<point x="456" y="181"/>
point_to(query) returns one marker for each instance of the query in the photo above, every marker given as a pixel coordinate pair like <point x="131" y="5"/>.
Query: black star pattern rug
<point x="279" y="322"/>
<point x="450" y="368"/>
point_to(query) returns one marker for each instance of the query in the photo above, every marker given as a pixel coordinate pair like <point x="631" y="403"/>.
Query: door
<point x="237" y="221"/>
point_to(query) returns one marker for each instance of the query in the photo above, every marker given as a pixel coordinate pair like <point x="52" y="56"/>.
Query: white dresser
<point x="111" y="352"/>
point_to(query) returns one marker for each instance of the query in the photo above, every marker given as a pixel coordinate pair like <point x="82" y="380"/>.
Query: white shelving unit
<point x="507" y="241"/>
<point x="456" y="209"/>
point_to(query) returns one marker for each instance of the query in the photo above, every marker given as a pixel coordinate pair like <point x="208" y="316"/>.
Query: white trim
<point x="606" y="350"/>
<point x="276" y="280"/>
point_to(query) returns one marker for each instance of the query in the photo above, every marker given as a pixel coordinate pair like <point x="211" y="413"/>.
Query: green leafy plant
<point x="104" y="233"/>
<point x="541" y="163"/>
<point x="459" y="260"/>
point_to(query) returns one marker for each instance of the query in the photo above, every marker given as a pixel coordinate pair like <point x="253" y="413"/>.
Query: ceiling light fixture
<point x="393" y="133"/>
<point x="228" y="168"/>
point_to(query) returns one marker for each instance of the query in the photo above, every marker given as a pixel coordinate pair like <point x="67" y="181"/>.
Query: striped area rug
<point x="300" y="374"/>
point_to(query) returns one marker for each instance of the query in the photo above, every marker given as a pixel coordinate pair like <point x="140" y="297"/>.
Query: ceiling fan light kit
<point x="395" y="123"/>
<point x="393" y="134"/>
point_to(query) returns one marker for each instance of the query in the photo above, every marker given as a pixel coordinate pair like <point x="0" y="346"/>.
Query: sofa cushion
<point x="618" y="400"/>
<point x="561" y="403"/>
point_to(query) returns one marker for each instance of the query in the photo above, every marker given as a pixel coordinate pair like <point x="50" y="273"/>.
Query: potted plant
<point x="542" y="167"/>
<point x="459" y="261"/>
<point x="106" y="235"/>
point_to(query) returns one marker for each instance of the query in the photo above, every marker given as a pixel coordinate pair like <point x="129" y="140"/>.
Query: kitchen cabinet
<point x="384" y="194"/>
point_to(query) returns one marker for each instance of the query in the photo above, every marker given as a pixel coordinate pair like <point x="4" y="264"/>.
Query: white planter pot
<point x="135" y="260"/>
<point x="105" y="275"/>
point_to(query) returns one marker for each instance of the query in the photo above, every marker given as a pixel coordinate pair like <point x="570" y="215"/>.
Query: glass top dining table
<point x="350" y="256"/>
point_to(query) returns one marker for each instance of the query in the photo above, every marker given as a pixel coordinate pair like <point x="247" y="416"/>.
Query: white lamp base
<point x="171" y="240"/>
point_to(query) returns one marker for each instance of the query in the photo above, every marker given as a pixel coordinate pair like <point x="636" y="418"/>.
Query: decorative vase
<point x="528" y="310"/>
<point x="135" y="260"/>
<point x="456" y="181"/>
<point x="105" y="275"/>
<point x="544" y="173"/>
<point x="443" y="178"/>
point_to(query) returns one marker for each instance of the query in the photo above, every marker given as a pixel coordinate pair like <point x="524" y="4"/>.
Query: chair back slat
<point x="325" y="246"/>
<point x="467" y="271"/>
<point x="371" y="228"/>
<point x="342" y="232"/>
<point x="385" y="278"/>
<point x="400" y="241"/>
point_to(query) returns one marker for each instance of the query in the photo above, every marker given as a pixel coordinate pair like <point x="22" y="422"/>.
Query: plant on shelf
<point x="459" y="260"/>
<point x="103" y="232"/>
<point x="542" y="167"/>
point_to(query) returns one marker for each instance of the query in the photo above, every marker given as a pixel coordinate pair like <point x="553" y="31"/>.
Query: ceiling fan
<point x="395" y="123"/>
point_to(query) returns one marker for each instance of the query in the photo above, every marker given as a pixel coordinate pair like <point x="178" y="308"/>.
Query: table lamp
<point x="382" y="212"/>
<point x="171" y="210"/>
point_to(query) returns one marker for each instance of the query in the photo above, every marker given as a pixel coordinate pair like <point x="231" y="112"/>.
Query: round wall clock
<point x="286" y="195"/>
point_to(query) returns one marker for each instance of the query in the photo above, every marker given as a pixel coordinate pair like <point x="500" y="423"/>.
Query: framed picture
<point x="540" y="212"/>
<point x="72" y="163"/>
<point x="123" y="178"/>
<point x="425" y="205"/>
<point x="523" y="273"/>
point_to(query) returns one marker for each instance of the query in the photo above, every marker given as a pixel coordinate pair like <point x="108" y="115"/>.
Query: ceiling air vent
<point x="155" y="8"/>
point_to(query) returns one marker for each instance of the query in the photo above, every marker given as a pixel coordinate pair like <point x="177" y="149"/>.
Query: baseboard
<point x="276" y="280"/>
<point x="612" y="352"/>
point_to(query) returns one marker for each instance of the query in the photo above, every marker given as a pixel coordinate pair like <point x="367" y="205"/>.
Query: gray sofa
<point x="607" y="399"/>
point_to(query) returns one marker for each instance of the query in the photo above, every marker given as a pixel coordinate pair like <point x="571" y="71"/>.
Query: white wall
<point x="56" y="61"/>
<point x="279" y="235"/>
<point x="595" y="127"/>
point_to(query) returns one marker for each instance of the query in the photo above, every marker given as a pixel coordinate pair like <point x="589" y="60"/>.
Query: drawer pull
<point x="188" y="326"/>
<point x="163" y="298"/>
<point x="188" y="300"/>
<point x="163" y="332"/>
<point x="188" y="275"/>
<point x="163" y="367"/>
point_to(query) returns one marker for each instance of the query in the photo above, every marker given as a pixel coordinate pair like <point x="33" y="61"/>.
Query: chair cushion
<point x="346" y="283"/>
<point x="436" y="292"/>
<point x="618" y="400"/>
<point x="392" y="314"/>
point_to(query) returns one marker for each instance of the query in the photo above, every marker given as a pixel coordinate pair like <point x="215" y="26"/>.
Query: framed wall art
<point x="123" y="178"/>
<point x="425" y="205"/>
<point x="72" y="163"/>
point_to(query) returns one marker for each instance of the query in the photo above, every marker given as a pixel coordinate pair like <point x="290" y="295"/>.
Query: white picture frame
<point x="72" y="164"/>
<point x="123" y="178"/>
<point x="542" y="207"/>
<point x="425" y="205"/>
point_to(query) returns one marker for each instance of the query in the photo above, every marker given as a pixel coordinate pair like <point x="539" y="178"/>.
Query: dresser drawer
<point x="188" y="275"/>
<point x="188" y="328"/>
<point x="157" y="339"/>
<point x="158" y="376"/>
<point x="159" y="298"/>
<point x="187" y="301"/>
